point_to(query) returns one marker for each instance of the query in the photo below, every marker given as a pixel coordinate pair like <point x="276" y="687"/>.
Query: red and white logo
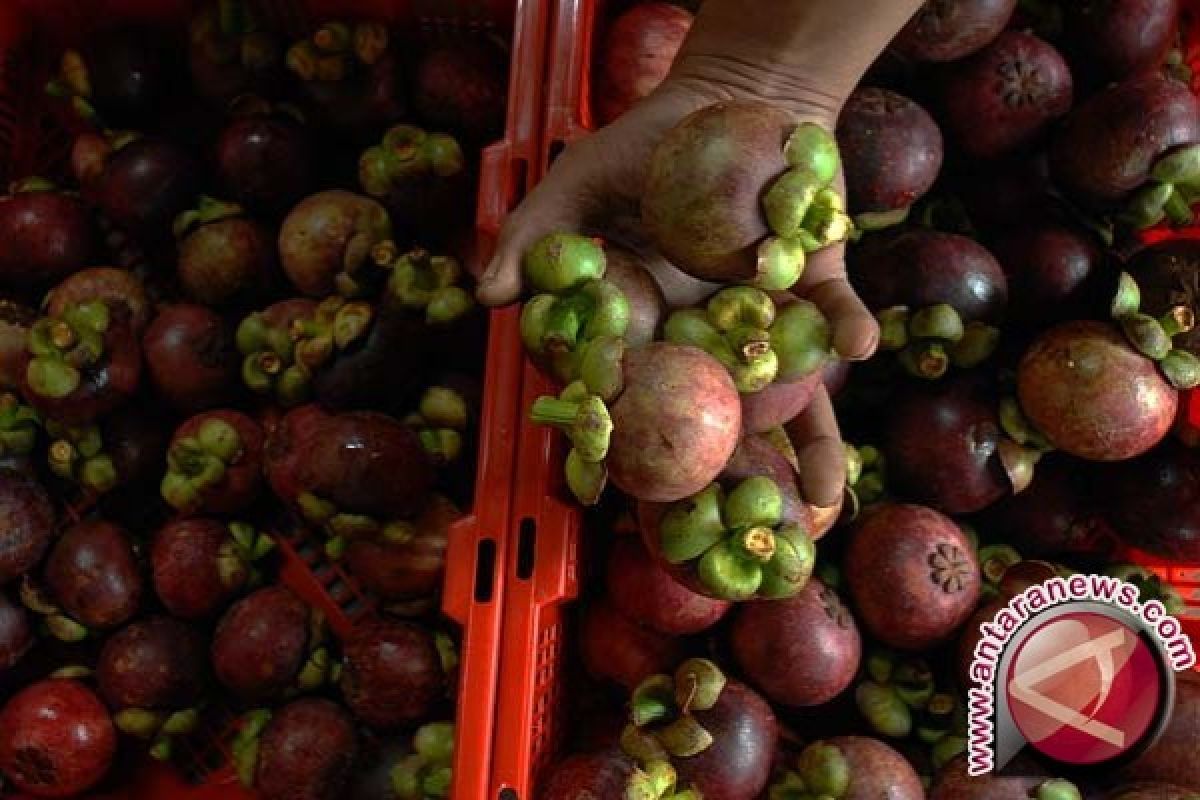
<point x="1084" y="688"/>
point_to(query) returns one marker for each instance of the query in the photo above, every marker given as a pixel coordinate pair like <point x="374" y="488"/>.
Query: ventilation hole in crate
<point x="355" y="608"/>
<point x="526" y="548"/>
<point x="485" y="571"/>
<point x="508" y="794"/>
<point x="556" y="148"/>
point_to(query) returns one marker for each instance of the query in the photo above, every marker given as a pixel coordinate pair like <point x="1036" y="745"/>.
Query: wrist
<point x="805" y="93"/>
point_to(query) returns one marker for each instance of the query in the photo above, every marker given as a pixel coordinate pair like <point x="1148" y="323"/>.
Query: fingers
<point x="819" y="451"/>
<point x="855" y="331"/>
<point x="548" y="208"/>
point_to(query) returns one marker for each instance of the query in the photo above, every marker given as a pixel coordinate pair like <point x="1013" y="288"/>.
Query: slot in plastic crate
<point x="32" y="140"/>
<point x="543" y="571"/>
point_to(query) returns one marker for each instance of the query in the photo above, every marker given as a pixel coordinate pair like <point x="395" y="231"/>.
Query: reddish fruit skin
<point x="56" y="739"/>
<point x="801" y="651"/>
<point x="265" y="161"/>
<point x="1172" y="759"/>
<point x="675" y="425"/>
<point x="238" y="488"/>
<point x="615" y="648"/>
<point x="700" y="204"/>
<point x="642" y="590"/>
<point x="637" y="54"/>
<point x="991" y="117"/>
<point x="1085" y="387"/>
<point x="940" y="443"/>
<point x="313" y="238"/>
<point x="408" y="570"/>
<point x="912" y="574"/>
<point x="1107" y="145"/>
<point x="1153" y="501"/>
<point x="259" y="645"/>
<point x="591" y="775"/>
<point x="1055" y="269"/>
<point x="29" y="521"/>
<point x="953" y="782"/>
<point x="145" y="185"/>
<point x="1114" y="39"/>
<point x="392" y="675"/>
<point x="877" y="770"/>
<point x="628" y="272"/>
<point x="891" y="150"/>
<point x="948" y="30"/>
<point x="191" y="357"/>
<point x="186" y="573"/>
<point x="361" y="461"/>
<point x="920" y="267"/>
<point x="461" y="87"/>
<point x="157" y="663"/>
<point x="93" y="574"/>
<point x="1056" y="515"/>
<point x="228" y="262"/>
<point x="16" y="635"/>
<point x="15" y="321"/>
<point x="46" y="235"/>
<point x="306" y="752"/>
<point x="120" y="289"/>
<point x="737" y="766"/>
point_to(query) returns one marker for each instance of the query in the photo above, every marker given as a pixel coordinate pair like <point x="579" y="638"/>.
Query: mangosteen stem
<point x="1181" y="368"/>
<point x="995" y="559"/>
<point x="1056" y="789"/>
<point x="925" y="359"/>
<point x="587" y="423"/>
<point x="883" y="709"/>
<point x="1177" y="320"/>
<point x="824" y="770"/>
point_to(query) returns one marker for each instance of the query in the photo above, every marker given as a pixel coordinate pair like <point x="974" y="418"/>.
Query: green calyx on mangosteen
<point x="1152" y="337"/>
<point x="738" y="543"/>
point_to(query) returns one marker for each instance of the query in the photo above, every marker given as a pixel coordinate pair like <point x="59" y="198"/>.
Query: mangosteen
<point x="912" y="573"/>
<point x="737" y="192"/>
<point x="947" y="30"/>
<point x="214" y="463"/>
<point x="939" y="297"/>
<point x="199" y="565"/>
<point x="1003" y="98"/>
<point x="1168" y="275"/>
<point x="394" y="673"/>
<point x="120" y="290"/>
<point x="462" y="87"/>
<point x="1110" y="40"/>
<point x="81" y="364"/>
<point x="48" y="235"/>
<point x="800" y="651"/>
<point x="643" y="591"/>
<point x="92" y="580"/>
<point x="146" y="184"/>
<point x="306" y="749"/>
<point x="56" y="739"/>
<point x="124" y="76"/>
<point x="265" y="158"/>
<point x="720" y="735"/>
<point x="30" y="524"/>
<point x="851" y="768"/>
<point x="191" y="358"/>
<point x="1153" y="502"/>
<point x="269" y="643"/>
<point x="412" y="564"/>
<point x="225" y="258"/>
<point x="619" y="648"/>
<point x="1058" y="270"/>
<point x="151" y="674"/>
<point x="1085" y="387"/>
<point x="16" y="634"/>
<point x="329" y="233"/>
<point x="892" y="151"/>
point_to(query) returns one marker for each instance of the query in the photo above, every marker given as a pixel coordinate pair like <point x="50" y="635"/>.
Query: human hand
<point x="596" y="183"/>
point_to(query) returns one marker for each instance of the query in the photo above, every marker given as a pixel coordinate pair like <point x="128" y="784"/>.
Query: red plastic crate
<point x="543" y="570"/>
<point x="32" y="32"/>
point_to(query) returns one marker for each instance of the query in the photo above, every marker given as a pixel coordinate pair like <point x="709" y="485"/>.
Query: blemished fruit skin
<point x="913" y="575"/>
